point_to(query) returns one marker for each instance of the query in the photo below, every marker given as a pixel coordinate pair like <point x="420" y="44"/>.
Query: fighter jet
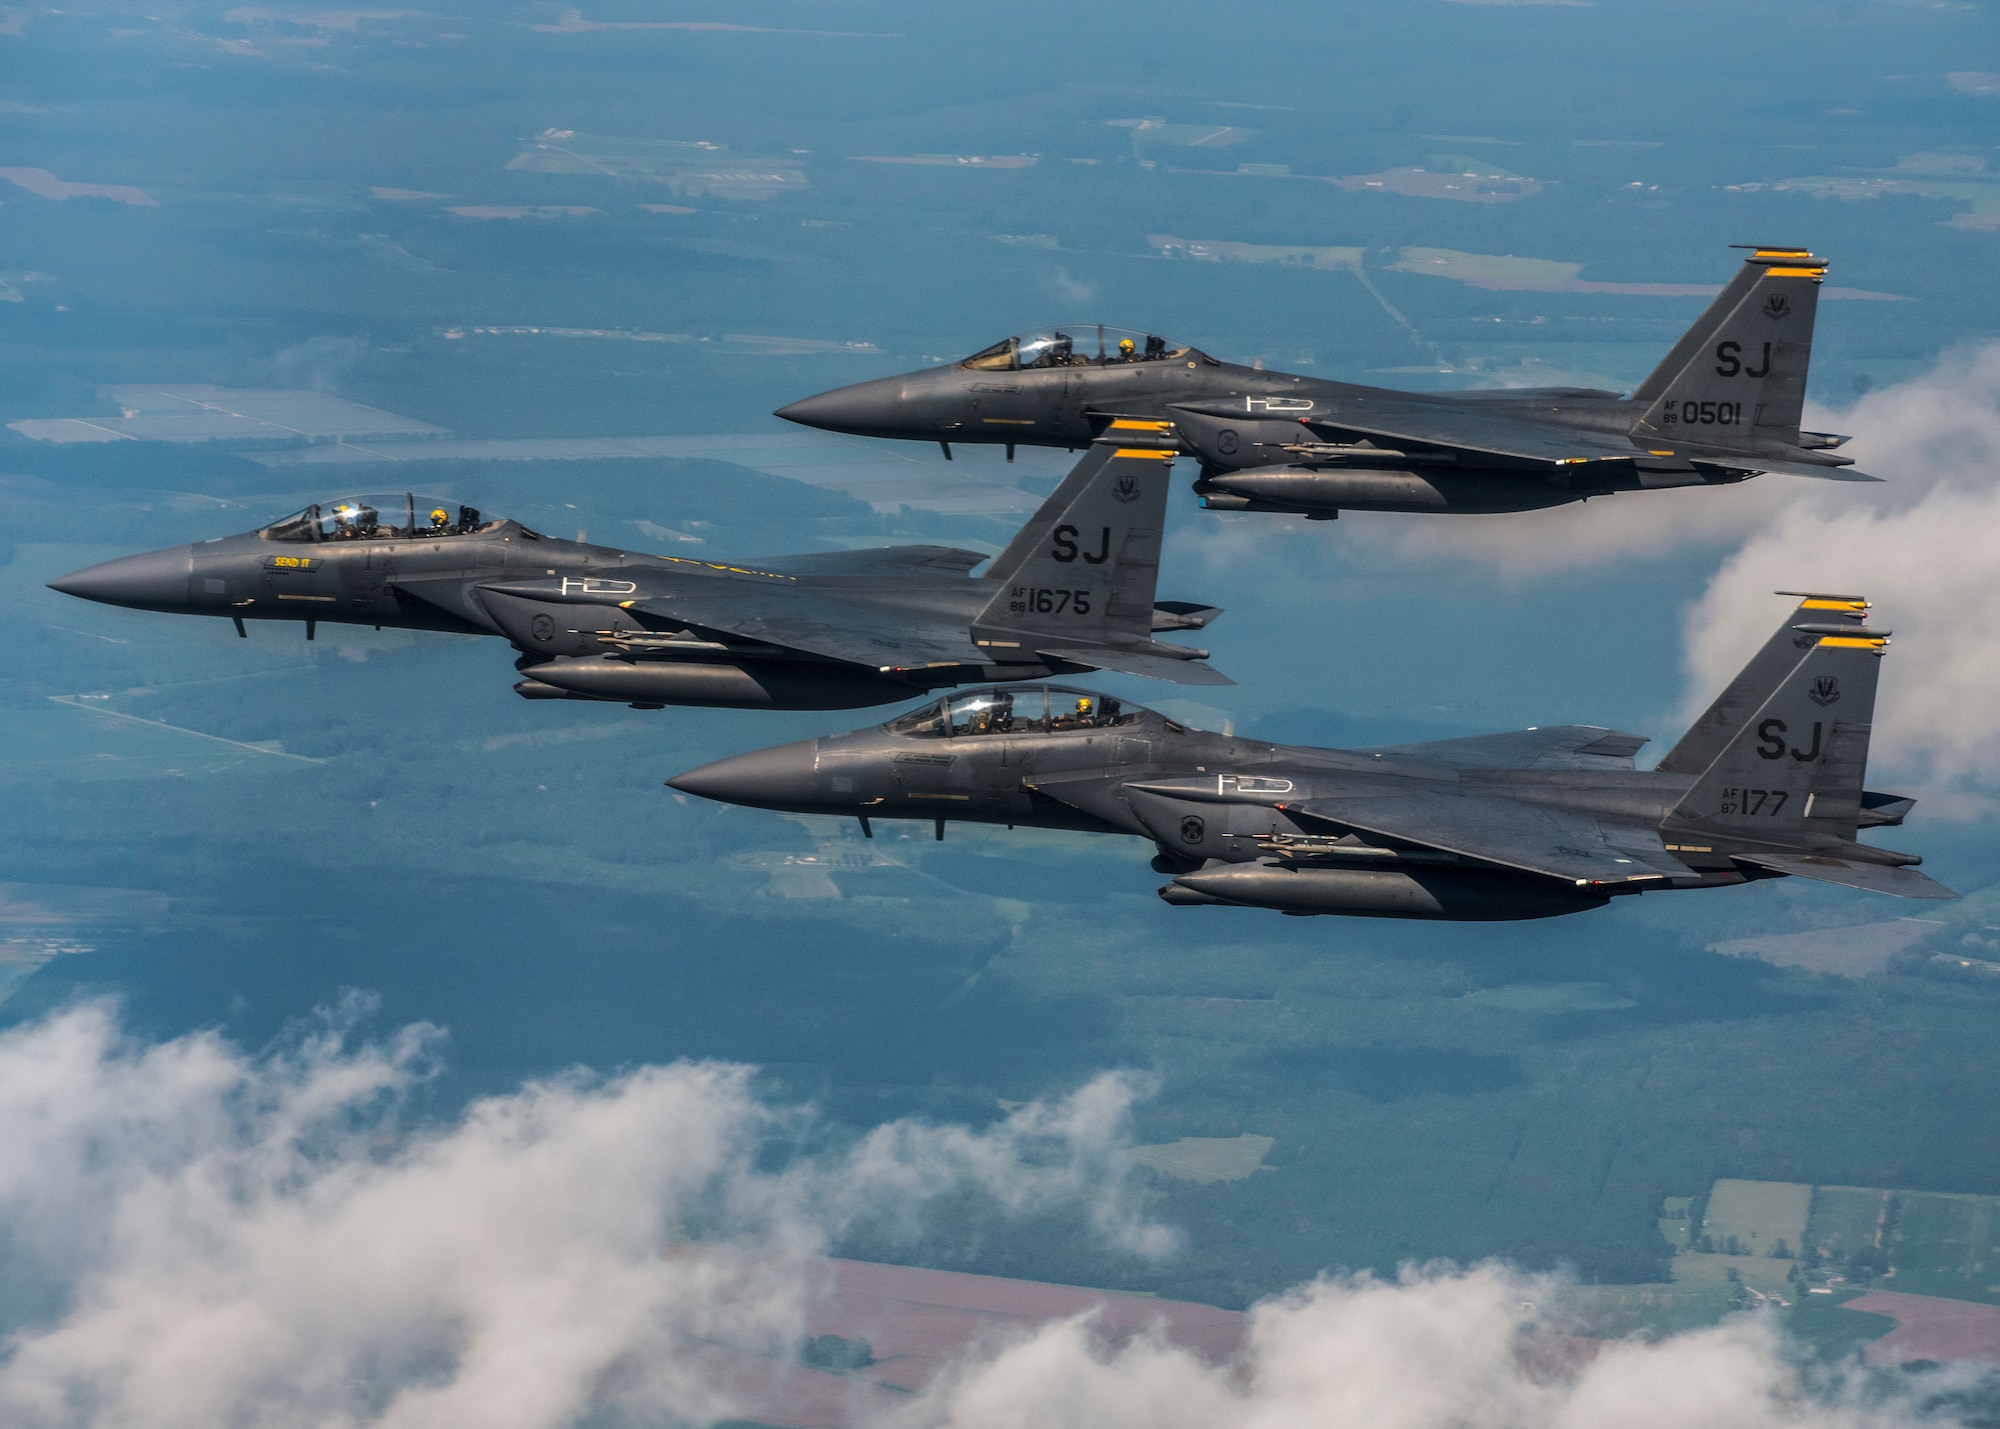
<point x="828" y="630"/>
<point x="1723" y="405"/>
<point x="1529" y="824"/>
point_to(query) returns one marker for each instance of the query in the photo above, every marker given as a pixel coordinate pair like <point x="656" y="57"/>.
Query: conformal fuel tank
<point x="1459" y="894"/>
<point x="754" y="684"/>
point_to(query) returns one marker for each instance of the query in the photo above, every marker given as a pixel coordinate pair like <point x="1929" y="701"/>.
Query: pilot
<point x="353" y="521"/>
<point x="1061" y="350"/>
<point x="1079" y="718"/>
<point x="440" y="522"/>
<point x="1128" y="351"/>
<point x="1156" y="348"/>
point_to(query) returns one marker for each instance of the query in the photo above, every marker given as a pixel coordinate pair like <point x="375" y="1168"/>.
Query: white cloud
<point x="1436" y="1349"/>
<point x="1075" y="291"/>
<point x="222" y="1239"/>
<point x="321" y="363"/>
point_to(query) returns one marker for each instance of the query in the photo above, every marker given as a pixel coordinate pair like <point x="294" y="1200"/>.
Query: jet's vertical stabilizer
<point x="1695" y="339"/>
<point x="1708" y="736"/>
<point x="1791" y="775"/>
<point x="1085" y="566"/>
<point x="1744" y="384"/>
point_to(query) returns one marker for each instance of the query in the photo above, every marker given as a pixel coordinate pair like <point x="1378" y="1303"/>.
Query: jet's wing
<point x="1182" y="669"/>
<point x="1557" y="843"/>
<point x="878" y="637"/>
<point x="876" y="561"/>
<point x="1563" y="746"/>
<point x="1478" y="428"/>
<point x="1874" y="877"/>
<point x="1473" y="427"/>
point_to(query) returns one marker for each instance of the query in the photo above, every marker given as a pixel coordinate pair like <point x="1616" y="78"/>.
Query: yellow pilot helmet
<point x="1083" y="704"/>
<point x="1126" y="347"/>
<point x="440" y="517"/>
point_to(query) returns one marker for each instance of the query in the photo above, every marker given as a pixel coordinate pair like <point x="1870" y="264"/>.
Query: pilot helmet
<point x="1126" y="347"/>
<point x="1083" y="704"/>
<point x="440" y="516"/>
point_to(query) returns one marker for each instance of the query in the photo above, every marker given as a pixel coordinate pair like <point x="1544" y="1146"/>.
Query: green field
<point x="1207" y="1159"/>
<point x="1613" y="1311"/>
<point x="1675" y="1227"/>
<point x="1846" y="1221"/>
<point x="1756" y="1218"/>
<point x="1832" y="1332"/>
<point x="1944" y="1245"/>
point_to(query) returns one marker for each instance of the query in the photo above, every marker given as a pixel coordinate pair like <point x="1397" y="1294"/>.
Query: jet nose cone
<point x="780" y="777"/>
<point x="866" y="409"/>
<point x="831" y="411"/>
<point x="153" y="581"/>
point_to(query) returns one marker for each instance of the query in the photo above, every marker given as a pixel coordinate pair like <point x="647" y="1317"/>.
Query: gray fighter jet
<point x="1529" y="824"/>
<point x="829" y="630"/>
<point x="1724" y="405"/>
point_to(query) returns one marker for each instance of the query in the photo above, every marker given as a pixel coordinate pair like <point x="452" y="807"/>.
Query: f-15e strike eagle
<point x="827" y="630"/>
<point x="1531" y="824"/>
<point x="1723" y="405"/>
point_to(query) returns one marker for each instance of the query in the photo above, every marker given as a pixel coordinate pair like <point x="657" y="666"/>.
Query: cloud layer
<point x="1436" y="1349"/>
<point x="220" y="1239"/>
<point x="208" y="1238"/>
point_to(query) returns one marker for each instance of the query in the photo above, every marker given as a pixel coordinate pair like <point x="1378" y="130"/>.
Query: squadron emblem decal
<point x="1193" y="830"/>
<point x="1825" y="691"/>
<point x="1126" y="489"/>
<point x="1777" y="306"/>
<point x="543" y="627"/>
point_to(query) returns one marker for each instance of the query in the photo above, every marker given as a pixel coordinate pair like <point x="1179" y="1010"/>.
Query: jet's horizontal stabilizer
<point x="1808" y="468"/>
<point x="1884" y="810"/>
<point x="1181" y="666"/>
<point x="1182" y="615"/>
<point x="1874" y="877"/>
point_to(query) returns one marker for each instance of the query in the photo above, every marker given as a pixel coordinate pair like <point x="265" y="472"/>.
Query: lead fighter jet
<point x="1722" y="406"/>
<point x="1530" y="824"/>
<point x="827" y="630"/>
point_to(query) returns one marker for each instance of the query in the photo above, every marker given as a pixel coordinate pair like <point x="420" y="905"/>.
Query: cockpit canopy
<point x="1015" y="709"/>
<point x="1078" y="345"/>
<point x="402" y="516"/>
